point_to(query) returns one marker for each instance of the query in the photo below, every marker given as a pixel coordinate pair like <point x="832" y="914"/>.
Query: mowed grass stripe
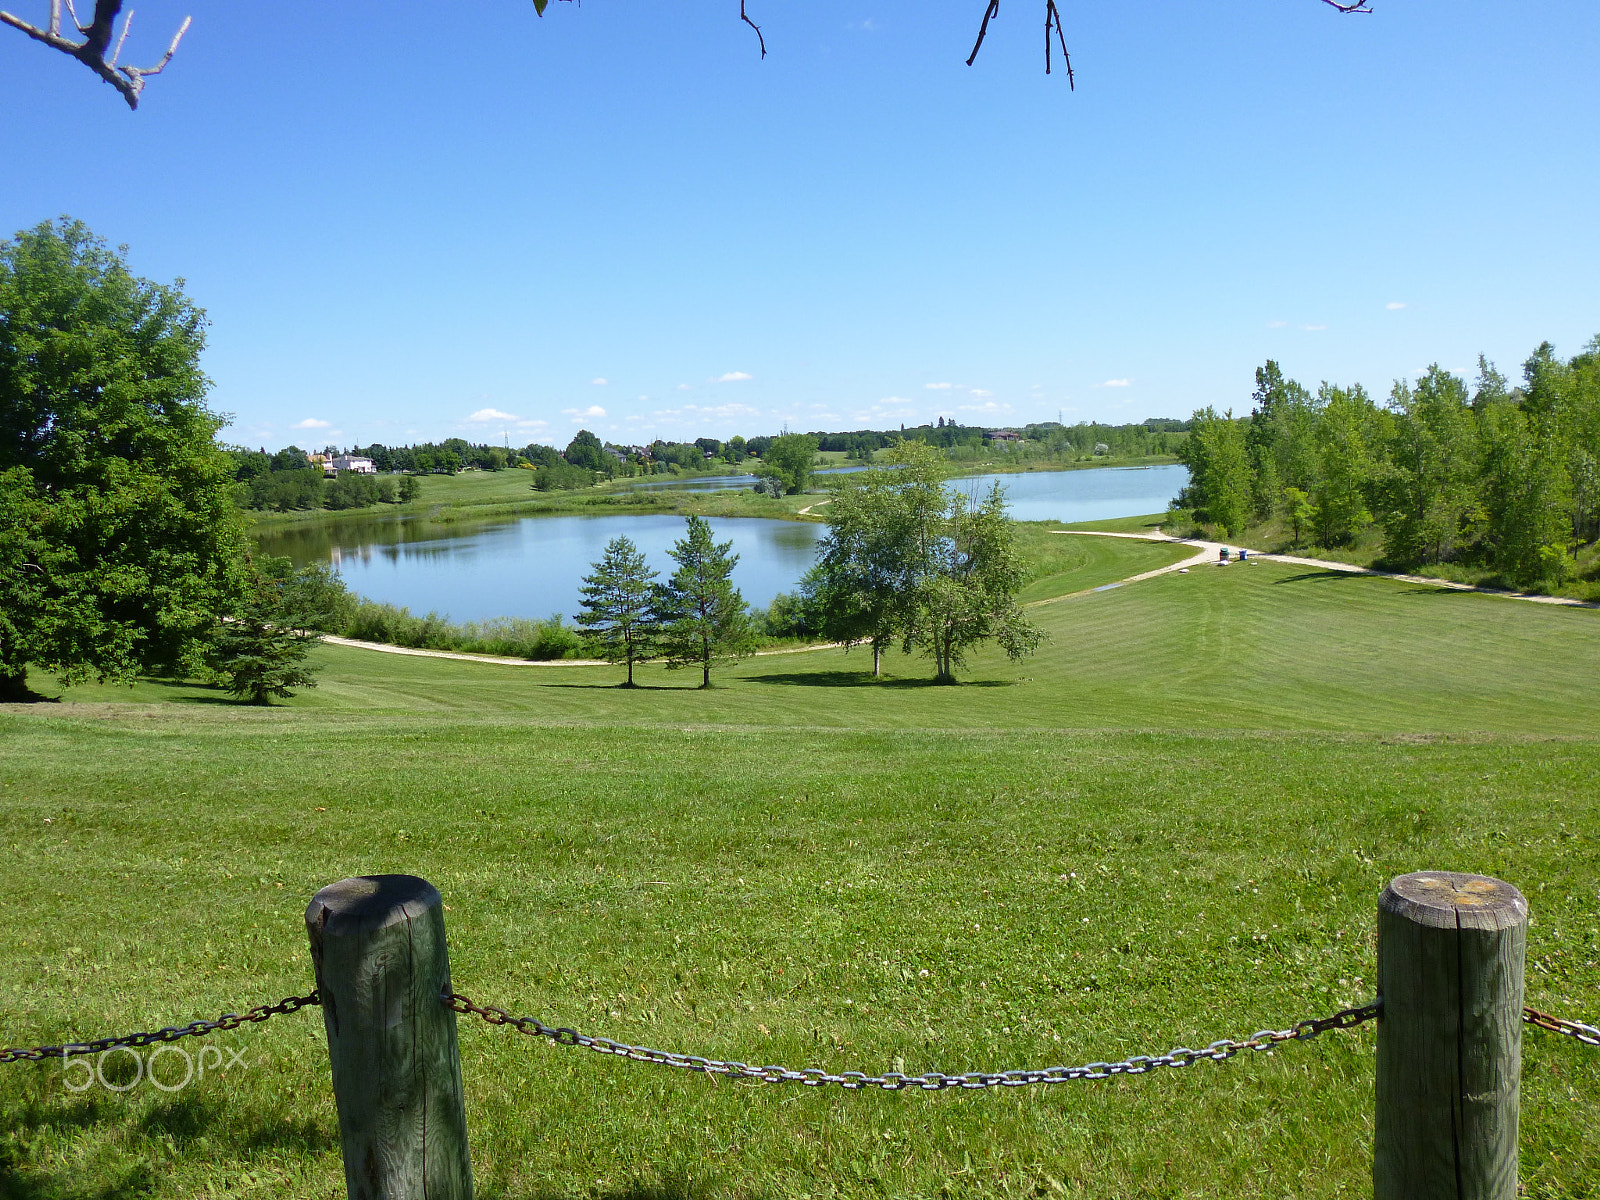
<point x="1268" y="646"/>
<point x="766" y="870"/>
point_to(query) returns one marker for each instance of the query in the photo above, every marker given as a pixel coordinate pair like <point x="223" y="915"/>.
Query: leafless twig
<point x="983" y="30"/>
<point x="1052" y="19"/>
<point x="745" y="17"/>
<point x="91" y="52"/>
<point x="1360" y="6"/>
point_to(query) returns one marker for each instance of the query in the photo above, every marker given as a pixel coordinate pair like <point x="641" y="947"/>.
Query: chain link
<point x="933" y="1081"/>
<point x="169" y="1034"/>
<point x="1587" y="1034"/>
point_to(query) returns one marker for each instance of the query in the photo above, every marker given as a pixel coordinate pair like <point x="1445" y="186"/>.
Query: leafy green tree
<point x="1302" y="512"/>
<point x="585" y="450"/>
<point x="260" y="650"/>
<point x="702" y="617"/>
<point x="118" y="531"/>
<point x="1427" y="485"/>
<point x="619" y="619"/>
<point x="410" y="488"/>
<point x="1219" y="471"/>
<point x="907" y="558"/>
<point x="1345" y="436"/>
<point x="970" y="594"/>
<point x="791" y="458"/>
<point x="856" y="585"/>
<point x="1526" y="496"/>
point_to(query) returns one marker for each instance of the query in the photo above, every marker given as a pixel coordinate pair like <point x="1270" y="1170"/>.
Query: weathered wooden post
<point x="378" y="945"/>
<point x="1450" y="960"/>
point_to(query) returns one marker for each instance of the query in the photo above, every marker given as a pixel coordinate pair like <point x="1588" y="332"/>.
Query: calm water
<point x="533" y="566"/>
<point x="529" y="566"/>
<point x="1094" y="495"/>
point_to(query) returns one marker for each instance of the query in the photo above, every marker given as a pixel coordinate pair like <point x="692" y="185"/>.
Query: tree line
<point x="784" y="463"/>
<point x="1495" y="476"/>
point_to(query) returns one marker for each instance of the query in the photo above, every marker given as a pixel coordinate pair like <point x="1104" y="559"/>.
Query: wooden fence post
<point x="379" y="950"/>
<point x="1450" y="961"/>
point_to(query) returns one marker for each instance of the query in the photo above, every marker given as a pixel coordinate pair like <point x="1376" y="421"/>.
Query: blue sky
<point x="412" y="221"/>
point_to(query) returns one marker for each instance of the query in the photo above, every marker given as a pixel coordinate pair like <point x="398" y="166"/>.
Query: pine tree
<point x="619" y="621"/>
<point x="260" y="651"/>
<point x="702" y="616"/>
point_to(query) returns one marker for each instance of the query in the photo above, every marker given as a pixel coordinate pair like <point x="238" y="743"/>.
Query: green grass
<point x="1171" y="826"/>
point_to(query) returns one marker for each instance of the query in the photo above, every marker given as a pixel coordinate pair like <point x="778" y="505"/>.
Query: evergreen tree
<point x="260" y="651"/>
<point x="618" y="618"/>
<point x="702" y="617"/>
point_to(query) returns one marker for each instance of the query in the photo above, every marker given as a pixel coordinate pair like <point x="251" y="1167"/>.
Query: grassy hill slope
<point x="1171" y="826"/>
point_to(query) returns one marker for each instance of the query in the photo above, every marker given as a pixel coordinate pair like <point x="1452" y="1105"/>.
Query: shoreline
<point x="618" y="497"/>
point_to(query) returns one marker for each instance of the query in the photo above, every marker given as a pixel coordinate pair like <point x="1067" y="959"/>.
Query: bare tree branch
<point x="1360" y="6"/>
<point x="1052" y="18"/>
<point x="743" y="16"/>
<point x="983" y="30"/>
<point x="91" y="52"/>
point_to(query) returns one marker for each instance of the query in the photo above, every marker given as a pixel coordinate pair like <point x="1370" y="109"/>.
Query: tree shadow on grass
<point x="865" y="679"/>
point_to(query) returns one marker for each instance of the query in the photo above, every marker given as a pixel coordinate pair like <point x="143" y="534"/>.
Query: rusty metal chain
<point x="1587" y="1034"/>
<point x="933" y="1081"/>
<point x="169" y="1034"/>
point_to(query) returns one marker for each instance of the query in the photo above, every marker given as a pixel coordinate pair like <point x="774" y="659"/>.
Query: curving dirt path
<point x="1207" y="554"/>
<point x="1210" y="552"/>
<point x="496" y="660"/>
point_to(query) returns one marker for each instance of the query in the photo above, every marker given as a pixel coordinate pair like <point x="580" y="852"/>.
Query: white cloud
<point x="990" y="407"/>
<point x="980" y="392"/>
<point x="492" y="414"/>
<point x="578" y="414"/>
<point x="1117" y="383"/>
<point x="732" y="377"/>
<point x="1393" y="305"/>
<point x="601" y="380"/>
<point x="1276" y="324"/>
<point x="684" y="387"/>
<point x="311" y="423"/>
<point x="1313" y="328"/>
<point x="938" y="387"/>
<point x="532" y="424"/>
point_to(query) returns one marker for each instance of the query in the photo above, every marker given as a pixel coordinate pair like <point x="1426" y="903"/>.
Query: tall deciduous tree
<point x="119" y="540"/>
<point x="1426" y="487"/>
<point x="967" y="593"/>
<point x="1345" y="437"/>
<point x="703" y="618"/>
<point x="1219" y="471"/>
<point x="618" y="619"/>
<point x="907" y="558"/>
<point x="860" y="585"/>
<point x="586" y="450"/>
<point x="790" y="458"/>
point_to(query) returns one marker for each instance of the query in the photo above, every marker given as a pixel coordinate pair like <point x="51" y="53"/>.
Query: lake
<point x="533" y="566"/>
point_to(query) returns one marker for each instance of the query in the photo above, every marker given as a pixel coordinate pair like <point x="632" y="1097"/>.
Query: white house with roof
<point x="353" y="463"/>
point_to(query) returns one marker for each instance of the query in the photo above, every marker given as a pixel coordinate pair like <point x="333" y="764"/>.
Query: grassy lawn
<point x="1171" y="826"/>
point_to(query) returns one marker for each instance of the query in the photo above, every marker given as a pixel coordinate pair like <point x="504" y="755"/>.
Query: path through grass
<point x="1172" y="826"/>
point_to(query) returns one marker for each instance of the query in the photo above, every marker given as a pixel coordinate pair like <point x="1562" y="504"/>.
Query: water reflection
<point x="533" y="566"/>
<point x="529" y="566"/>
